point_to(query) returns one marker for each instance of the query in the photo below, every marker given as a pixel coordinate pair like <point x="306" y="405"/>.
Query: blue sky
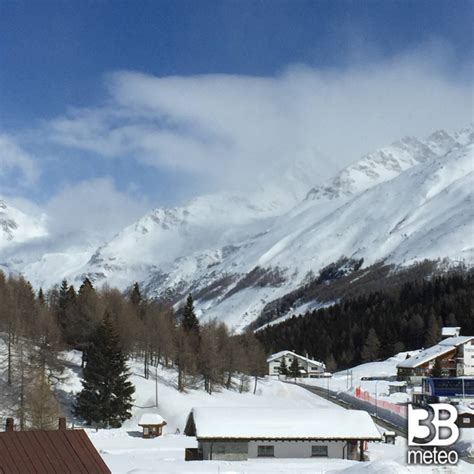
<point x="93" y="90"/>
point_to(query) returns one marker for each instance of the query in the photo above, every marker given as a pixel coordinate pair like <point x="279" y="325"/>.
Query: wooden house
<point x="152" y="425"/>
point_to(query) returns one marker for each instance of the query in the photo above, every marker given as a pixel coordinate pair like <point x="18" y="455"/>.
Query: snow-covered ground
<point x="125" y="451"/>
<point x="341" y="381"/>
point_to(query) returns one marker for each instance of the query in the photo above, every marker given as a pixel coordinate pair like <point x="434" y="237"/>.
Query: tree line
<point x="108" y="327"/>
<point x="379" y="324"/>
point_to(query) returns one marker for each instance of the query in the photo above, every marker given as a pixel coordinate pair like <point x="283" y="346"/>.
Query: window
<point x="465" y="419"/>
<point x="265" y="451"/>
<point x="319" y="451"/>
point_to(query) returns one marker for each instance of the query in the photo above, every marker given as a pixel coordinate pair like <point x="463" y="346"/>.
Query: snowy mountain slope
<point x="237" y="252"/>
<point x="215" y="221"/>
<point x="183" y="244"/>
<point x="425" y="212"/>
<point x="17" y="227"/>
<point x="387" y="163"/>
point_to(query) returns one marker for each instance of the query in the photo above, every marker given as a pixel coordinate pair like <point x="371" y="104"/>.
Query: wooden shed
<point x="152" y="425"/>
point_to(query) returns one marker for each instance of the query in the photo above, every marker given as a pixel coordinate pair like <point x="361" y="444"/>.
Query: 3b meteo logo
<point x="432" y="428"/>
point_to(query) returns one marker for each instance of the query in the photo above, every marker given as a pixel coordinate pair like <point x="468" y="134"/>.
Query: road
<point x="384" y="418"/>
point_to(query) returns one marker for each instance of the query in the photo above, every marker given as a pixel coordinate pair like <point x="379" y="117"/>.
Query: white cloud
<point x="17" y="167"/>
<point x="228" y="129"/>
<point x="93" y="208"/>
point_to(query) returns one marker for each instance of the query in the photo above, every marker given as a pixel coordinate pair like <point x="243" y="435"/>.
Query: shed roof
<point x="61" y="451"/>
<point x="151" y="419"/>
<point x="433" y="352"/>
<point x="280" y="423"/>
<point x="289" y="353"/>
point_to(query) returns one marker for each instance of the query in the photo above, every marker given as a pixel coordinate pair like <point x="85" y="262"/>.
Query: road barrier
<point x="400" y="410"/>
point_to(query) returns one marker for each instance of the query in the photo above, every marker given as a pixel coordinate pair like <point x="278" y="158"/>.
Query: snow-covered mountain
<point x="17" y="227"/>
<point x="237" y="252"/>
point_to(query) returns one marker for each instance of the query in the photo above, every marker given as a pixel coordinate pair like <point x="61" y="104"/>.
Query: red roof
<point x="49" y="452"/>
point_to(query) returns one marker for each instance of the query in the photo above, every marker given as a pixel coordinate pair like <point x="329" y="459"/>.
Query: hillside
<point x="237" y="254"/>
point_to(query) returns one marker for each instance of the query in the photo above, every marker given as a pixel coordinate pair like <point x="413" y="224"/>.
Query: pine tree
<point x="371" y="347"/>
<point x="106" y="397"/>
<point x="294" y="370"/>
<point x="41" y="299"/>
<point x="283" y="367"/>
<point x="190" y="322"/>
<point x="135" y="295"/>
<point x="432" y="334"/>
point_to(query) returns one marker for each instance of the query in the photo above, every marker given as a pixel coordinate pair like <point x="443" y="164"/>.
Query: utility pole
<point x="156" y="385"/>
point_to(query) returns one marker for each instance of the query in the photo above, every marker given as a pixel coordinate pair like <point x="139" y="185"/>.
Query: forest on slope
<point x="378" y="324"/>
<point x="36" y="329"/>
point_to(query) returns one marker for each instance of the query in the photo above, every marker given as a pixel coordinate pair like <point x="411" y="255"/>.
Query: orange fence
<point x="393" y="407"/>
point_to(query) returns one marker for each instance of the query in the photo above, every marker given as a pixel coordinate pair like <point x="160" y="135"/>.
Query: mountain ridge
<point x="239" y="252"/>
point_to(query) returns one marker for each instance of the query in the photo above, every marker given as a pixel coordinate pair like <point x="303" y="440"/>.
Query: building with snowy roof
<point x="308" y="367"/>
<point x="241" y="433"/>
<point x="454" y="354"/>
<point x="450" y="331"/>
<point x="152" y="425"/>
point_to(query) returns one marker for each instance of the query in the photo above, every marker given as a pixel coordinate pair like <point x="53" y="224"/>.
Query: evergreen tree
<point x="436" y="370"/>
<point x="135" y="295"/>
<point x="106" y="397"/>
<point x="283" y="367"/>
<point x="294" y="370"/>
<point x="432" y="334"/>
<point x="371" y="347"/>
<point x="190" y="322"/>
<point x="41" y="299"/>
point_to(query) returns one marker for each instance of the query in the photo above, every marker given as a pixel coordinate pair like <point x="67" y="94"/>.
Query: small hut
<point x="152" y="425"/>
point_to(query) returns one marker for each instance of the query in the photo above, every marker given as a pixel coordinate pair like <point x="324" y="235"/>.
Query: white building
<point x="308" y="367"/>
<point x="450" y="331"/>
<point x="236" y="434"/>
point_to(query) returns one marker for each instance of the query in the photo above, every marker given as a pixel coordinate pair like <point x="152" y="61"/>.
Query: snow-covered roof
<point x="433" y="352"/>
<point x="450" y="331"/>
<point x="280" y="354"/>
<point x="282" y="423"/>
<point x="151" y="419"/>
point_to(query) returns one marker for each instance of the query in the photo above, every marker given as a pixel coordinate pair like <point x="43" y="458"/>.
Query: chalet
<point x="236" y="434"/>
<point x="152" y="425"/>
<point x="454" y="354"/>
<point x="45" y="452"/>
<point x="308" y="367"/>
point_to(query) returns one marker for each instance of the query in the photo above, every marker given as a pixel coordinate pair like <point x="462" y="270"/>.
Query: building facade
<point x="308" y="367"/>
<point x="455" y="356"/>
<point x="237" y="434"/>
